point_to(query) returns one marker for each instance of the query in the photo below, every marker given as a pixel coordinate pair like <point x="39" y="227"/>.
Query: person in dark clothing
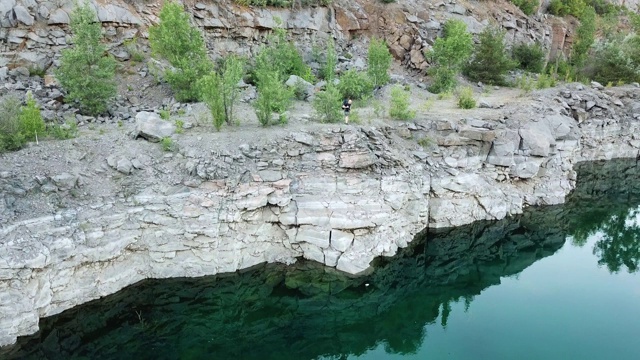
<point x="346" y="106"/>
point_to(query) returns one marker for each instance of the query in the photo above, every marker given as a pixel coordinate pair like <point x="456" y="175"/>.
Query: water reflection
<point x="308" y="312"/>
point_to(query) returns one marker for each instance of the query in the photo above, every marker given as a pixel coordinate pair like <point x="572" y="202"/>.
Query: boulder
<point x="294" y="81"/>
<point x="64" y="181"/>
<point x="356" y="160"/>
<point x="22" y="15"/>
<point x="536" y="139"/>
<point x="58" y="16"/>
<point x="149" y="126"/>
<point x="525" y="170"/>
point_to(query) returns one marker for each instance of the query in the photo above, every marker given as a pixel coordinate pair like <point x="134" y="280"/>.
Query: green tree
<point x="585" y="36"/>
<point x="378" y="61"/>
<point x="219" y="89"/>
<point x="355" y="85"/>
<point x="11" y="138"/>
<point x="329" y="68"/>
<point x="327" y="104"/>
<point x="399" y="107"/>
<point x="283" y="57"/>
<point x="273" y="96"/>
<point x="210" y="87"/>
<point x="448" y="54"/>
<point x="616" y="59"/>
<point x="529" y="57"/>
<point x="31" y="123"/>
<point x="490" y="60"/>
<point x="86" y="73"/>
<point x="175" y="39"/>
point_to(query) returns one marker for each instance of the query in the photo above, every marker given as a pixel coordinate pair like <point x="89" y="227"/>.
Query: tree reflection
<point x="619" y="245"/>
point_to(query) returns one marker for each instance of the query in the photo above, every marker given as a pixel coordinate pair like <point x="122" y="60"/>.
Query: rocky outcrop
<point x="121" y="212"/>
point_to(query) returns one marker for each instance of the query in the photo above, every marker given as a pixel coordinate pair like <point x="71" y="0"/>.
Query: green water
<point x="558" y="282"/>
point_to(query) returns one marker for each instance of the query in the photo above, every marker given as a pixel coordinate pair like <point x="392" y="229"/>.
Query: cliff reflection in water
<point x="306" y="311"/>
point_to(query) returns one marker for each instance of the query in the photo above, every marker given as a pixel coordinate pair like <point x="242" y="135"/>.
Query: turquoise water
<point x="558" y="282"/>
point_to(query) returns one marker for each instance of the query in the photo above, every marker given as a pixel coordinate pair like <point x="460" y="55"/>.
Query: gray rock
<point x="356" y="160"/>
<point x="117" y="14"/>
<point x="65" y="181"/>
<point x="57" y="17"/>
<point x="596" y="85"/>
<point x="23" y="15"/>
<point x="525" y="170"/>
<point x="124" y="166"/>
<point x="270" y="175"/>
<point x="295" y="80"/>
<point x="589" y="105"/>
<point x="536" y="141"/>
<point x="341" y="240"/>
<point x="150" y="127"/>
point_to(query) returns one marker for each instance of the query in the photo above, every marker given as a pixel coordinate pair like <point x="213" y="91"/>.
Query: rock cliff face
<point x="82" y="220"/>
<point x="34" y="31"/>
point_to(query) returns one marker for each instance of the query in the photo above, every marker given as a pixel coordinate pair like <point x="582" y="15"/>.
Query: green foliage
<point x="179" y="126"/>
<point x="231" y="72"/>
<point x="167" y="144"/>
<point x="175" y="39"/>
<point x="399" y="106"/>
<point x="616" y="59"/>
<point x="527" y="6"/>
<point x="210" y="87"/>
<point x="299" y="90"/>
<point x="466" y="99"/>
<point x="585" y="36"/>
<point x="455" y="46"/>
<point x="529" y="57"/>
<point x="164" y="114"/>
<point x="448" y="55"/>
<point x="283" y="58"/>
<point x="85" y="72"/>
<point x="490" y="61"/>
<point x="11" y="138"/>
<point x="444" y="79"/>
<point x="282" y="3"/>
<point x="378" y="61"/>
<point x="36" y="71"/>
<point x="546" y="81"/>
<point x="31" y="123"/>
<point x="525" y="82"/>
<point x="567" y="7"/>
<point x="273" y="96"/>
<point x="327" y="104"/>
<point x="328" y="70"/>
<point x="68" y="130"/>
<point x="355" y="85"/>
<point x="131" y="45"/>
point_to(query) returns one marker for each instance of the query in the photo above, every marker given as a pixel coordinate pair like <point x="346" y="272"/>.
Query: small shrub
<point x="616" y="59"/>
<point x="327" y="104"/>
<point x="175" y="39"/>
<point x="355" y="85"/>
<point x="167" y="144"/>
<point x="31" y="123"/>
<point x="444" y="79"/>
<point x="466" y="99"/>
<point x="378" y="62"/>
<point x="273" y="96"/>
<point x="11" y="138"/>
<point x="68" y="130"/>
<point x="448" y="54"/>
<point x="525" y="82"/>
<point x="425" y="142"/>
<point x="299" y="90"/>
<point x="329" y="68"/>
<point x="85" y="73"/>
<point x="546" y="81"/>
<point x="399" y="107"/>
<point x="379" y="110"/>
<point x="164" y="114"/>
<point x="567" y="7"/>
<point x="283" y="58"/>
<point x="529" y="57"/>
<point x="490" y="61"/>
<point x="427" y="105"/>
<point x="527" y="6"/>
<point x="585" y="36"/>
<point x="179" y="126"/>
<point x="36" y="71"/>
<point x="220" y="91"/>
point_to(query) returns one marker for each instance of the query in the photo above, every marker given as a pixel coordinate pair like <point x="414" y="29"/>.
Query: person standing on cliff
<point x="346" y="106"/>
